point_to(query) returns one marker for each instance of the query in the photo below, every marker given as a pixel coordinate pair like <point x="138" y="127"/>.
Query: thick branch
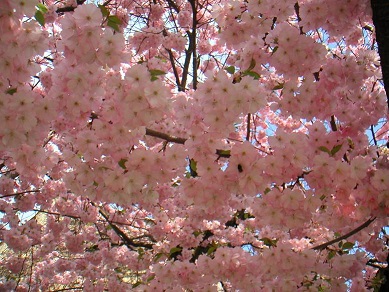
<point x="194" y="44"/>
<point x="248" y="127"/>
<point x="381" y="22"/>
<point x="185" y="71"/>
<point x="164" y="136"/>
<point x="340" y="238"/>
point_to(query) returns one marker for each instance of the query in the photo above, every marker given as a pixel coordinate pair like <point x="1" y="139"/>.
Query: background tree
<point x="192" y="146"/>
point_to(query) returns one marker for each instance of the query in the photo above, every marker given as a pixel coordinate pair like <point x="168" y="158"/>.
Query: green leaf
<point x="325" y="149"/>
<point x="279" y="86"/>
<point x="335" y="149"/>
<point x="211" y="249"/>
<point x="230" y="69"/>
<point x="122" y="163"/>
<point x="253" y="74"/>
<point x="347" y="245"/>
<point x="136" y="284"/>
<point x="275" y="50"/>
<point x="158" y="256"/>
<point x="175" y="250"/>
<point x="193" y="165"/>
<point x="141" y="252"/>
<point x="223" y="153"/>
<point x="156" y="72"/>
<point x="197" y="233"/>
<point x="95" y="184"/>
<point x="42" y="7"/>
<point x="40" y="17"/>
<point x="331" y="254"/>
<point x="113" y="25"/>
<point x="322" y="197"/>
<point x="104" y="10"/>
<point x="267" y="190"/>
<point x="11" y="91"/>
<point x="113" y="22"/>
<point x="114" y="19"/>
<point x="149" y="279"/>
<point x="269" y="242"/>
<point x="252" y="65"/>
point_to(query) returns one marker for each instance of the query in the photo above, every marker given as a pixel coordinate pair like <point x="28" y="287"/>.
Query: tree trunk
<point x="381" y="22"/>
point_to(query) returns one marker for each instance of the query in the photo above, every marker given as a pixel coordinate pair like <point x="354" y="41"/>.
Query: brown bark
<point x="381" y="22"/>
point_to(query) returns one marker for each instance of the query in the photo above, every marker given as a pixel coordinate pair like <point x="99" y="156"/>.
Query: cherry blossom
<point x="192" y="146"/>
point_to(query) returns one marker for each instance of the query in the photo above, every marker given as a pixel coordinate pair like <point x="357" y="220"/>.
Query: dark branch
<point x="126" y="240"/>
<point x="381" y="22"/>
<point x="164" y="136"/>
<point x="347" y="235"/>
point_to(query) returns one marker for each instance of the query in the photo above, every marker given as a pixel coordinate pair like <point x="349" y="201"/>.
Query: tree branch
<point x="164" y="136"/>
<point x="381" y="22"/>
<point x="127" y="241"/>
<point x="194" y="44"/>
<point x="20" y="193"/>
<point x="69" y="8"/>
<point x="172" y="61"/>
<point x="173" y="5"/>
<point x="248" y="127"/>
<point x="340" y="238"/>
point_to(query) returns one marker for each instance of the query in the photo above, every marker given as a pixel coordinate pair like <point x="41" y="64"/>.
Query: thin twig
<point x="20" y="193"/>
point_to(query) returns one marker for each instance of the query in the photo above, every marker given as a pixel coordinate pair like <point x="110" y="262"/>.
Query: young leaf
<point x="269" y="242"/>
<point x="158" y="256"/>
<point x="42" y="7"/>
<point x="279" y="86"/>
<point x="331" y="254"/>
<point x="223" y="153"/>
<point x="325" y="149"/>
<point x="347" y="245"/>
<point x="230" y="69"/>
<point x="175" y="250"/>
<point x="114" y="19"/>
<point x="11" y="91"/>
<point x="104" y="10"/>
<point x="193" y="168"/>
<point x="211" y="249"/>
<point x="156" y="72"/>
<point x="253" y="74"/>
<point x="113" y="22"/>
<point x="197" y="233"/>
<point x="252" y="65"/>
<point x="335" y="149"/>
<point x="136" y="284"/>
<point x="40" y="17"/>
<point x="122" y="163"/>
